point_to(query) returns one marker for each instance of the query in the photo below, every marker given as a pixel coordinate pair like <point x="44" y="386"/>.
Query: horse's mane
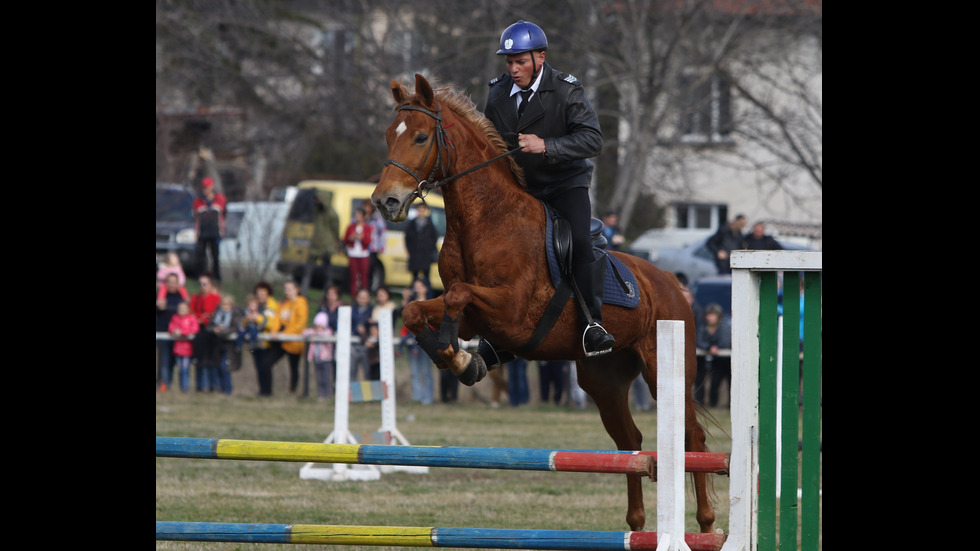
<point x="463" y="105"/>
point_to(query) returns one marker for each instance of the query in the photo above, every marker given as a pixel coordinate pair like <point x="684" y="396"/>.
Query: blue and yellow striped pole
<point x="402" y="536"/>
<point x="527" y="459"/>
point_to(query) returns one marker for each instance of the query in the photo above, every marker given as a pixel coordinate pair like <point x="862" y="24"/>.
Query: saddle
<point x="619" y="286"/>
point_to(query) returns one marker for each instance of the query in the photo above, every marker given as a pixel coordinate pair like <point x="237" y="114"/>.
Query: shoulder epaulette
<point x="495" y="80"/>
<point x="568" y="78"/>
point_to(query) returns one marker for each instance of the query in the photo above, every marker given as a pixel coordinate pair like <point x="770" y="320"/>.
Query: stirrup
<point x="597" y="352"/>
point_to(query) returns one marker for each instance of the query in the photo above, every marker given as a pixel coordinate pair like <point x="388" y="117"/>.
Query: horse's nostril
<point x="392" y="203"/>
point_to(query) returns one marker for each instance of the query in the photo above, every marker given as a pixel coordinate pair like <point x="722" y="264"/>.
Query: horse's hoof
<point x="474" y="372"/>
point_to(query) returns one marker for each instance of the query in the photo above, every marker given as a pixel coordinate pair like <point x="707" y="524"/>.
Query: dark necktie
<point x="525" y="97"/>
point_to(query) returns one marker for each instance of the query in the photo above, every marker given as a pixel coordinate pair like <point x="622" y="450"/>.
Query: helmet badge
<point x="509" y="43"/>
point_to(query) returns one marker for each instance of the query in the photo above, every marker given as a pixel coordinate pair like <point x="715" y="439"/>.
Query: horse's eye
<point x="421" y="138"/>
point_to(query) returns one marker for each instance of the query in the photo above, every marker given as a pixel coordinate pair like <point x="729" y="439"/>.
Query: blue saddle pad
<point x="613" y="292"/>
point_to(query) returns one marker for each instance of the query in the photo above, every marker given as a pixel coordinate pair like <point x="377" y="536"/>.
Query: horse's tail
<point x="702" y="413"/>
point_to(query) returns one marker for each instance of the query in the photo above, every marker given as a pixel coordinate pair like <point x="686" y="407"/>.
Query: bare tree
<point x="657" y="56"/>
<point x="311" y="81"/>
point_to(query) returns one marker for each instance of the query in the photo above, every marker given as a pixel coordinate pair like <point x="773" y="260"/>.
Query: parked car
<point x="175" y="224"/>
<point x="695" y="260"/>
<point x="717" y="289"/>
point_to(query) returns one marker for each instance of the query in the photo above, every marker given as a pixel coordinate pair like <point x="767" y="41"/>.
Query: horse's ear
<point x="424" y="91"/>
<point x="398" y="92"/>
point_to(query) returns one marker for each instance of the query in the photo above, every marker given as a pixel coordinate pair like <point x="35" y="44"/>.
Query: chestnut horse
<point x="496" y="276"/>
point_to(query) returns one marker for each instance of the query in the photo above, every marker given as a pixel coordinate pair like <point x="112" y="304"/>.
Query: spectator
<point x="269" y="308"/>
<point x="517" y="388"/>
<point x="183" y="328"/>
<point x="611" y="231"/>
<point x="724" y="241"/>
<point x="357" y="239"/>
<point x="331" y="301"/>
<point x="379" y="236"/>
<point x="209" y="224"/>
<point x="758" y="239"/>
<point x="169" y="266"/>
<point x="291" y="319"/>
<point x="550" y="377"/>
<point x="224" y="323"/>
<point x="251" y="324"/>
<point x="326" y="238"/>
<point x="713" y="336"/>
<point x="420" y="244"/>
<point x="166" y="309"/>
<point x="320" y="354"/>
<point x="203" y="304"/>
<point x="383" y="301"/>
<point x="419" y="363"/>
<point x="361" y="313"/>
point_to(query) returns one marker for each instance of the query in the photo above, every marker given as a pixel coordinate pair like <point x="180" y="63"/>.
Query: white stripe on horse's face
<point x="401" y="128"/>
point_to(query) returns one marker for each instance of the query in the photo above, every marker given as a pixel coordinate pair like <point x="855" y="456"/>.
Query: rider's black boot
<point x="589" y="278"/>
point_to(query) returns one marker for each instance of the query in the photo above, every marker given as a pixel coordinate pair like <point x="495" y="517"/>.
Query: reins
<point x="441" y="141"/>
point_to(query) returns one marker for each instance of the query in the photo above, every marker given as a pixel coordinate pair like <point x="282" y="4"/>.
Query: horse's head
<point x="416" y="150"/>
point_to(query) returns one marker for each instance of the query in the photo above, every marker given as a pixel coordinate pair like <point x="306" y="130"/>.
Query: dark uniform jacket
<point x="570" y="130"/>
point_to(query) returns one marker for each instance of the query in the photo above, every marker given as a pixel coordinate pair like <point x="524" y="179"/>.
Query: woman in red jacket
<point x="357" y="239"/>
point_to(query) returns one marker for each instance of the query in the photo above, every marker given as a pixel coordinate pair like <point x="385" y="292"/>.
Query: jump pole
<point x="525" y="459"/>
<point x="404" y="536"/>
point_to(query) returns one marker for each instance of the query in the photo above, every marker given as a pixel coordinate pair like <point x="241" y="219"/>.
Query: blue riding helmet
<point x="522" y="37"/>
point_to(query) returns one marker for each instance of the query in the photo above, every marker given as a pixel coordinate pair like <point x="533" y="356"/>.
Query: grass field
<point x="272" y="492"/>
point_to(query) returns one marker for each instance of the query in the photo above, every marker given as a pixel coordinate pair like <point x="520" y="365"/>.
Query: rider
<point x="557" y="134"/>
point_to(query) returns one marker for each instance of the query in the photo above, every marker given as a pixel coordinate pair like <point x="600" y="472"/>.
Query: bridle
<point x="442" y="145"/>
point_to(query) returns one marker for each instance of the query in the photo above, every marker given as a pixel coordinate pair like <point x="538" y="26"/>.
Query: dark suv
<point x="175" y="224"/>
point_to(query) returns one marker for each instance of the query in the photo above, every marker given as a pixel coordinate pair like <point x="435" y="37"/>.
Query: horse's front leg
<point x="419" y="317"/>
<point x="468" y="368"/>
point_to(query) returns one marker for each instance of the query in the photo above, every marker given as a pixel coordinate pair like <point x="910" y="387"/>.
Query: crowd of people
<point x="209" y="334"/>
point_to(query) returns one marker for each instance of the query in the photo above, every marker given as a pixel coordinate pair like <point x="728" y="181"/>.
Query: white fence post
<point x="670" y="436"/>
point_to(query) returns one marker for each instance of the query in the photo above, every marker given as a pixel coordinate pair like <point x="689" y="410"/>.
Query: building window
<point x="706" y="116"/>
<point x="699" y="215"/>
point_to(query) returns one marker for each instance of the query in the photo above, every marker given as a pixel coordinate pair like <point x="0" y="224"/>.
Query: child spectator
<point x="251" y="324"/>
<point x="224" y="322"/>
<point x="171" y="266"/>
<point x="268" y="306"/>
<point x="183" y="327"/>
<point x="361" y="313"/>
<point x="166" y="309"/>
<point x="320" y="354"/>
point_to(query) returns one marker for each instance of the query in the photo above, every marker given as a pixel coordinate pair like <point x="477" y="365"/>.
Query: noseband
<point x="443" y="145"/>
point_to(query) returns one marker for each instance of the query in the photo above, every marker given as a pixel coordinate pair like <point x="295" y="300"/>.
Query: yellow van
<point x="392" y="268"/>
